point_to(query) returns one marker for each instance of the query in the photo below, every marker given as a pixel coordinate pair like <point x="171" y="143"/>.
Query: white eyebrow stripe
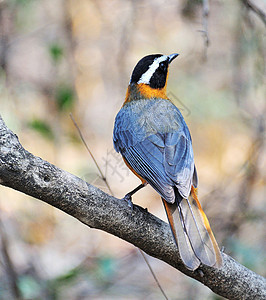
<point x="146" y="77"/>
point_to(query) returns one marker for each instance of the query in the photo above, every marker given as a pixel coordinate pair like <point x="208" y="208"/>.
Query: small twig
<point x="108" y="186"/>
<point x="261" y="14"/>
<point x="153" y="274"/>
<point x="205" y="15"/>
<point x="93" y="158"/>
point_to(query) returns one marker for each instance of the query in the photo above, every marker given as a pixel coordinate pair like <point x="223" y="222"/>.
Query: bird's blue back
<point x="152" y="136"/>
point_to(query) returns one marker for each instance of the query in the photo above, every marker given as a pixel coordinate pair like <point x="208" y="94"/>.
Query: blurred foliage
<point x="22" y="2"/>
<point x="106" y="268"/>
<point x="64" y="97"/>
<point x="42" y="127"/>
<point x="58" y="57"/>
<point x="29" y="287"/>
<point x="56" y="285"/>
<point x="56" y="52"/>
<point x="249" y="256"/>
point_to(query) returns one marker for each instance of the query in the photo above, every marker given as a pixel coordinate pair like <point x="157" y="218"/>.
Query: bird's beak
<point x="172" y="57"/>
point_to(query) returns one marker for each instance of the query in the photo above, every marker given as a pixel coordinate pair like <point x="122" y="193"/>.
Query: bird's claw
<point x="128" y="199"/>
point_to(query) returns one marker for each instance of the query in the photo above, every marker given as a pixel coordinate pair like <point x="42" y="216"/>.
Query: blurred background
<point x="63" y="56"/>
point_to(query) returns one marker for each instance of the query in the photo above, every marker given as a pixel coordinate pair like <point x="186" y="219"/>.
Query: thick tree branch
<point x="33" y="176"/>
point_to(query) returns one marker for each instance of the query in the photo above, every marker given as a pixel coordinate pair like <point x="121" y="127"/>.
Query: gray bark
<point x="22" y="171"/>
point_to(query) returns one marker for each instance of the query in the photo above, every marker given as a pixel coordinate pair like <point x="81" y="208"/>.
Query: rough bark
<point x="33" y="176"/>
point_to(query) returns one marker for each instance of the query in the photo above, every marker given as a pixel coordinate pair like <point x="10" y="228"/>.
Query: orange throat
<point x="147" y="92"/>
<point x="144" y="91"/>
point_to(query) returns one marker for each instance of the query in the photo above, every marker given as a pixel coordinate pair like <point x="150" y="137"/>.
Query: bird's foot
<point x="128" y="199"/>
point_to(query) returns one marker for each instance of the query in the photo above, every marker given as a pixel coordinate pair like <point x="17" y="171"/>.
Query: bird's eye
<point x="163" y="66"/>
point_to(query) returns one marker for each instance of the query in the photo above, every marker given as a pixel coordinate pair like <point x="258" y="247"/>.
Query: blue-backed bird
<point x="155" y="143"/>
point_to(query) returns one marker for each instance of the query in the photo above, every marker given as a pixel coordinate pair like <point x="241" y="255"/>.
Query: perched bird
<point x="155" y="143"/>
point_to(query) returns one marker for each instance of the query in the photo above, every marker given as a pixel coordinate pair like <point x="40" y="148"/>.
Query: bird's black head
<point x="152" y="70"/>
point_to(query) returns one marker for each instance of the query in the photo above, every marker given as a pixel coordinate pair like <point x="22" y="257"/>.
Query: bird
<point x="155" y="143"/>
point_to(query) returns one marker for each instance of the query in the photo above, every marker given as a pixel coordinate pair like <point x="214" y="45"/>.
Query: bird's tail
<point x="192" y="232"/>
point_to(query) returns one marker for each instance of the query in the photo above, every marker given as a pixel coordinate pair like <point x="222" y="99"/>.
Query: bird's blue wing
<point x="179" y="160"/>
<point x="146" y="158"/>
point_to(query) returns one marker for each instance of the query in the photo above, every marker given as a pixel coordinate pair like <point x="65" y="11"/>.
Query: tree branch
<point x="33" y="176"/>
